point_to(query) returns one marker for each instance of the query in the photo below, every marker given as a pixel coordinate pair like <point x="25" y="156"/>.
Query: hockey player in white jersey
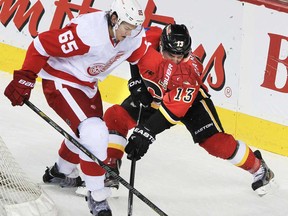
<point x="70" y="62"/>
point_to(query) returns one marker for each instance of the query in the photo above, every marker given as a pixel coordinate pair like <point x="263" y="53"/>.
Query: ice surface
<point x="176" y="175"/>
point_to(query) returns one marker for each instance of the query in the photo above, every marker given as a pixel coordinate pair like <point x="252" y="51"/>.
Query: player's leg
<point x="83" y="115"/>
<point x="204" y="124"/>
<point x="64" y="172"/>
<point x="94" y="133"/>
<point x="119" y="120"/>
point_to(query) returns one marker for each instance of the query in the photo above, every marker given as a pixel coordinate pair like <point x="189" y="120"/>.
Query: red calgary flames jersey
<point x="174" y="87"/>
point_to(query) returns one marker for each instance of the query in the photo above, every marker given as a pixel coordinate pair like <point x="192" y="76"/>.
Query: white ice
<point x="176" y="175"/>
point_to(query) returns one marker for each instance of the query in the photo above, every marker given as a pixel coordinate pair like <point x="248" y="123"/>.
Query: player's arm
<point x="150" y="40"/>
<point x="148" y="64"/>
<point x="141" y="50"/>
<point x="61" y="43"/>
<point x="137" y="88"/>
<point x="57" y="43"/>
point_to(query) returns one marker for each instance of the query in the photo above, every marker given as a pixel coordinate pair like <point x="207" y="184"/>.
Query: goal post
<point x="19" y="196"/>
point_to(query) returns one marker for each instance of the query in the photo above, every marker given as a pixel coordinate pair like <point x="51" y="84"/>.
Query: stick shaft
<point x="133" y="171"/>
<point x="95" y="159"/>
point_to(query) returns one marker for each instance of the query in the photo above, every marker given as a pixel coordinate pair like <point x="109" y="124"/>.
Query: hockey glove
<point x="19" y="89"/>
<point x="138" y="142"/>
<point x="139" y="92"/>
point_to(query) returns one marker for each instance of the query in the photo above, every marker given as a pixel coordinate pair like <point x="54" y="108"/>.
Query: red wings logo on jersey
<point x="98" y="68"/>
<point x="95" y="69"/>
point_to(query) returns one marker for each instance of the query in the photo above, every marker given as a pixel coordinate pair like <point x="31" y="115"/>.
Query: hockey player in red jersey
<point x="172" y="92"/>
<point x="70" y="62"/>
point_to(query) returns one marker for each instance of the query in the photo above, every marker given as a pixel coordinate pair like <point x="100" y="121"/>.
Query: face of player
<point x="173" y="57"/>
<point x="124" y="30"/>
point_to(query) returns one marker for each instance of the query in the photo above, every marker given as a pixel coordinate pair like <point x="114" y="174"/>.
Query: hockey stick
<point x="132" y="178"/>
<point x="132" y="173"/>
<point x="94" y="158"/>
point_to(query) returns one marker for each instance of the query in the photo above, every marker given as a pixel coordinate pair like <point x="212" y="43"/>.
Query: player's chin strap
<point x="95" y="159"/>
<point x="114" y="28"/>
<point x="132" y="172"/>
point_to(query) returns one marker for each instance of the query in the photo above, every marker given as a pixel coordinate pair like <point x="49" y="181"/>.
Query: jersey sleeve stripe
<point x="38" y="46"/>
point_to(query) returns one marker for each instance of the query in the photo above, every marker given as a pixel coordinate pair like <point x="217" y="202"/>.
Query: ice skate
<point x="52" y="175"/>
<point x="98" y="208"/>
<point x="109" y="181"/>
<point x="263" y="177"/>
<point x="115" y="165"/>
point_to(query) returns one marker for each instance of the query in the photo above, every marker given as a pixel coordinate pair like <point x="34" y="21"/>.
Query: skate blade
<point x="267" y="189"/>
<point x="82" y="191"/>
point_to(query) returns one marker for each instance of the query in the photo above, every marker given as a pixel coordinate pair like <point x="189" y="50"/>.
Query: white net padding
<point x="19" y="196"/>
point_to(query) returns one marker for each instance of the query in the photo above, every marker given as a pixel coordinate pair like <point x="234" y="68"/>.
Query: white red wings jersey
<point x="82" y="52"/>
<point x="173" y="87"/>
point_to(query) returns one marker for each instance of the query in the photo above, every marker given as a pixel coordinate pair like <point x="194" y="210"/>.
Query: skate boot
<point x="115" y="165"/>
<point x="263" y="177"/>
<point x="52" y="175"/>
<point x="98" y="208"/>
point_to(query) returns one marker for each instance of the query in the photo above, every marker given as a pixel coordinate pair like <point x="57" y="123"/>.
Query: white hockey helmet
<point x="129" y="11"/>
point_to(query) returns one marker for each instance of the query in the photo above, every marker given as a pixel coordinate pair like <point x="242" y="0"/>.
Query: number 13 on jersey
<point x="186" y="96"/>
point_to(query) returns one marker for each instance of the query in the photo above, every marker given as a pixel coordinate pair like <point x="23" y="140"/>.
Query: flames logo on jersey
<point x="95" y="69"/>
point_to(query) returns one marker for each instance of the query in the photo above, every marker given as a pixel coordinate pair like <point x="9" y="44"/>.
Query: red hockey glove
<point x="19" y="89"/>
<point x="138" y="142"/>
